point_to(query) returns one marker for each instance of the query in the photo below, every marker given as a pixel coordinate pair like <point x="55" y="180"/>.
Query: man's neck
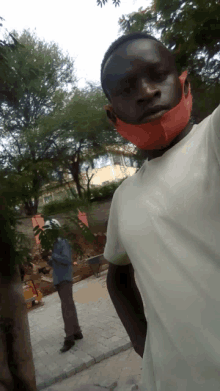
<point x="159" y="152"/>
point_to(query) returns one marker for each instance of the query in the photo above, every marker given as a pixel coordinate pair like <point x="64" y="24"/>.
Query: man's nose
<point x="147" y="90"/>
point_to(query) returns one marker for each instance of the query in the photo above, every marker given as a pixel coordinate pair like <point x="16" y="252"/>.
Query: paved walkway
<point x="104" y="334"/>
<point x="121" y="372"/>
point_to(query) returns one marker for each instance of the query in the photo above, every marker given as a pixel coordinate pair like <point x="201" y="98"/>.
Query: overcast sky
<point x="81" y="28"/>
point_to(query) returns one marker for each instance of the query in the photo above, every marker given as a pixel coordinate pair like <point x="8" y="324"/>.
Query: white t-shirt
<point x="166" y="218"/>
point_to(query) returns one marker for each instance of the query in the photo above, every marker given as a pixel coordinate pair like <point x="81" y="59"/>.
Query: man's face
<point x="142" y="81"/>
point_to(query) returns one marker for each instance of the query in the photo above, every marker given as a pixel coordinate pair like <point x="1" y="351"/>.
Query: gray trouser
<point x="68" y="307"/>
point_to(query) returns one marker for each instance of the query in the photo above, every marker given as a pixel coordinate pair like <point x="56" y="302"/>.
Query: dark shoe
<point x="67" y="346"/>
<point x="78" y="335"/>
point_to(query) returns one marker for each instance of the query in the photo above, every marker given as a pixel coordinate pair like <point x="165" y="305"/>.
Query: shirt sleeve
<point x="114" y="250"/>
<point x="62" y="253"/>
<point x="50" y="262"/>
<point x="216" y="120"/>
<point x="215" y="124"/>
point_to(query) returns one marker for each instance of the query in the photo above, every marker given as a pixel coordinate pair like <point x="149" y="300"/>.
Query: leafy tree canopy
<point x="8" y="76"/>
<point x="45" y="74"/>
<point x="83" y="132"/>
<point x="103" y="2"/>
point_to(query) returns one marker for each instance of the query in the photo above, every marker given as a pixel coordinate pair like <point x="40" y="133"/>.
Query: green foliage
<point x="141" y="20"/>
<point x="28" y="179"/>
<point x="9" y="256"/>
<point x="48" y="237"/>
<point x="8" y="76"/>
<point x="15" y="246"/>
<point x="81" y="138"/>
<point x="65" y="205"/>
<point x="102" y="193"/>
<point x="73" y="221"/>
<point x="43" y="68"/>
<point x="84" y="121"/>
<point x="23" y="244"/>
<point x="103" y="2"/>
<point x="136" y="21"/>
<point x="43" y="71"/>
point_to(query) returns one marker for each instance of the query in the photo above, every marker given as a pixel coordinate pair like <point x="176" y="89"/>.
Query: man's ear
<point x="110" y="114"/>
<point x="186" y="86"/>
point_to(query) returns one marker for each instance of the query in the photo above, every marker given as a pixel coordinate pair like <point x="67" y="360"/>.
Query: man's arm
<point x="62" y="254"/>
<point x="128" y="303"/>
<point x="50" y="261"/>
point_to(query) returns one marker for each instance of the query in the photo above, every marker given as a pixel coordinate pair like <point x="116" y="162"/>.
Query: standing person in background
<point x="22" y="272"/>
<point x="61" y="263"/>
<point x="164" y="221"/>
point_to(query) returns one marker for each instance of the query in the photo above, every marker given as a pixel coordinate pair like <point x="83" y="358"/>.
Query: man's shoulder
<point x="123" y="192"/>
<point x="63" y="242"/>
<point x="124" y="186"/>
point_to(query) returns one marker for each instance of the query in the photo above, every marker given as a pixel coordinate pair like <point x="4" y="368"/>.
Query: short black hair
<point x="118" y="42"/>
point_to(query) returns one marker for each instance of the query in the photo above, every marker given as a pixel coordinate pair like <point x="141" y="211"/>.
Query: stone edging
<point x="85" y="363"/>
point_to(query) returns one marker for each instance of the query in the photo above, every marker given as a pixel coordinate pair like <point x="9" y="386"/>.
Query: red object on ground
<point x="37" y="220"/>
<point x="83" y="218"/>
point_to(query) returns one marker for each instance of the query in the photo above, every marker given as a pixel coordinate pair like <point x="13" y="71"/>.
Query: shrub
<point x="64" y="205"/>
<point x="102" y="193"/>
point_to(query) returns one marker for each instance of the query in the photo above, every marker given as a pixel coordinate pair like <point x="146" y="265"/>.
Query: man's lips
<point x="154" y="113"/>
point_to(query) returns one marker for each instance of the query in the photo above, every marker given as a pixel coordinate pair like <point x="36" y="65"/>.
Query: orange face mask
<point x="158" y="134"/>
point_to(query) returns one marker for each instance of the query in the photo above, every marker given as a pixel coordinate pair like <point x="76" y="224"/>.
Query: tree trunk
<point x="35" y="208"/>
<point x="17" y="370"/>
<point x="28" y="208"/>
<point x="31" y="207"/>
<point x="74" y="169"/>
<point x="88" y="183"/>
<point x="78" y="186"/>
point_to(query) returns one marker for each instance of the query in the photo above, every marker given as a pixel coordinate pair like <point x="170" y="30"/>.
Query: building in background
<point x="118" y="163"/>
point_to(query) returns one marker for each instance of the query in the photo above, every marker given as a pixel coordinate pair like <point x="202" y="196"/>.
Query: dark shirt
<point x="61" y="261"/>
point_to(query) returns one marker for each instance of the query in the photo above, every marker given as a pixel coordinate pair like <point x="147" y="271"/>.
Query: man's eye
<point x="128" y="88"/>
<point x="160" y="76"/>
<point x="126" y="92"/>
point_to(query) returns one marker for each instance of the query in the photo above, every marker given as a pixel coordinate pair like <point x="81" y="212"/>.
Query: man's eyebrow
<point x="114" y="78"/>
<point x="129" y="74"/>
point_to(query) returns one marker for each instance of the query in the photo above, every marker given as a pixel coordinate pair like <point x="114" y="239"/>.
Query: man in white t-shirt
<point x="164" y="222"/>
